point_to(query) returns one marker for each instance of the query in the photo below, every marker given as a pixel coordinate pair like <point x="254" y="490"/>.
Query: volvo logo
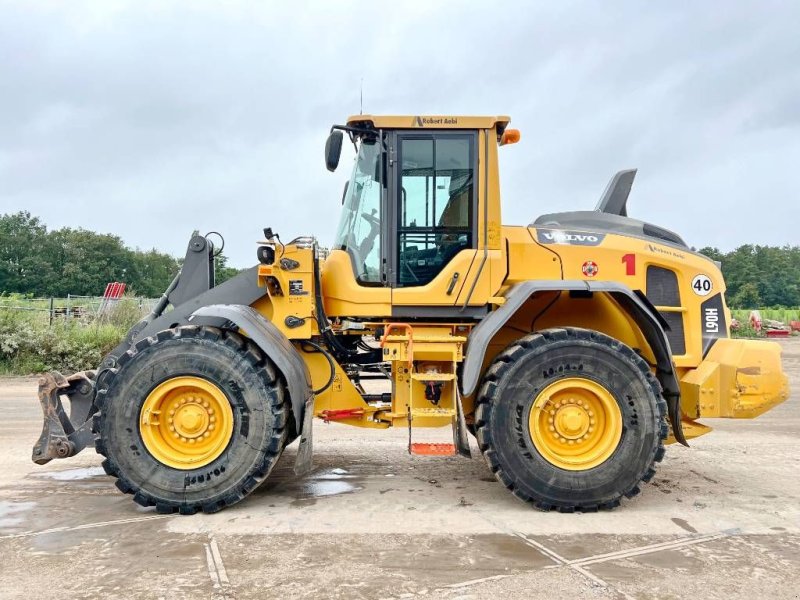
<point x="574" y="238"/>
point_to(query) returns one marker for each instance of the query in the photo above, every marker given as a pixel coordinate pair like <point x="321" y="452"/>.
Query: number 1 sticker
<point x="630" y="264"/>
<point x="701" y="285"/>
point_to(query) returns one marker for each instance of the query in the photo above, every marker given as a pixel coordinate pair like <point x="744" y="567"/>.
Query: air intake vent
<point x="675" y="335"/>
<point x="662" y="287"/>
<point x="662" y="291"/>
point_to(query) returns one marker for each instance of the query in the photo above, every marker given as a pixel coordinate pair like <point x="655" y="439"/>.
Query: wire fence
<point x="85" y="308"/>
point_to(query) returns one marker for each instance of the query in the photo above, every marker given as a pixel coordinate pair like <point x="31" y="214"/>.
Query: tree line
<point x="39" y="262"/>
<point x="760" y="276"/>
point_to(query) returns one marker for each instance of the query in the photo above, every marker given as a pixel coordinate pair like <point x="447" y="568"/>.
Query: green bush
<point x="784" y="315"/>
<point x="745" y="331"/>
<point x="125" y="313"/>
<point x="29" y="345"/>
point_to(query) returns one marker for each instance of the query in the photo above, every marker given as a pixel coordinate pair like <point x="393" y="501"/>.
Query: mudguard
<point x="636" y="305"/>
<point x="275" y="345"/>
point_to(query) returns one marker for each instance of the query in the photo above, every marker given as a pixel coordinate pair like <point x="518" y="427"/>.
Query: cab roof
<point x="428" y="121"/>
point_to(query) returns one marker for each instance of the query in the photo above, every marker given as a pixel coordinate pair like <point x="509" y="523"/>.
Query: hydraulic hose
<point x="331" y="364"/>
<point x="339" y="351"/>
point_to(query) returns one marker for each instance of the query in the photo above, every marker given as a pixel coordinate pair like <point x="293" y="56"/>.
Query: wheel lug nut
<point x="591" y="421"/>
<point x="211" y="428"/>
<point x="212" y="418"/>
<point x="171" y="428"/>
<point x="205" y="403"/>
<point x="551" y="428"/>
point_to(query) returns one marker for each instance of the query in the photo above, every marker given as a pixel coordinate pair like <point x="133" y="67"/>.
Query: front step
<point x="422" y="449"/>
<point x="429" y="357"/>
<point x="433" y="376"/>
<point x="432" y="412"/>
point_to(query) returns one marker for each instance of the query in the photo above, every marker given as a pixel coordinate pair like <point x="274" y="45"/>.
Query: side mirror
<point x="333" y="150"/>
<point x="344" y="191"/>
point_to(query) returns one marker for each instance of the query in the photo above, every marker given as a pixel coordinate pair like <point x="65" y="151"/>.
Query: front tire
<point x="193" y="419"/>
<point x="571" y="419"/>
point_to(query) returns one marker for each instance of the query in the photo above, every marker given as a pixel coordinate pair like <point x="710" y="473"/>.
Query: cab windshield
<point x="359" y="228"/>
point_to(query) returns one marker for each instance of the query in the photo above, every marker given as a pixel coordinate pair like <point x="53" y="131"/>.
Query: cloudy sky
<point x="151" y="119"/>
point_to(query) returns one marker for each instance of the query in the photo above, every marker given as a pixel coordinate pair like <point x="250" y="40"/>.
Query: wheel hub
<point x="575" y="423"/>
<point x="186" y="422"/>
<point x="191" y="418"/>
<point x="571" y="421"/>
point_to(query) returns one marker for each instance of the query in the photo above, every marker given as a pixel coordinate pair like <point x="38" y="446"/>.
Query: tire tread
<point x="280" y="409"/>
<point x="490" y="389"/>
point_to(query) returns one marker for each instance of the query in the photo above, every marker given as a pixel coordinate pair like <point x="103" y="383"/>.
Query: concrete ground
<point x="720" y="520"/>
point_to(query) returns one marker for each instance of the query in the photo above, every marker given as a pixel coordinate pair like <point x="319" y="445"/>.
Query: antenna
<point x="361" y="98"/>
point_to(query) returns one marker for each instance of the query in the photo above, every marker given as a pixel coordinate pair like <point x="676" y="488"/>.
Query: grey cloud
<point x="152" y="119"/>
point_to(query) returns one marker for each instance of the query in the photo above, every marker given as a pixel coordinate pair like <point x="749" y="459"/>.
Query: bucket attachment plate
<point x="64" y="436"/>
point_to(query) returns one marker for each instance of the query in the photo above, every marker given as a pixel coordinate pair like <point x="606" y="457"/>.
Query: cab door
<point x="432" y="241"/>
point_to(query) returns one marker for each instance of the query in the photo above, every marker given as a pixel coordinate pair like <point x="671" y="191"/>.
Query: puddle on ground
<point x="71" y="474"/>
<point x="10" y="513"/>
<point x="321" y="484"/>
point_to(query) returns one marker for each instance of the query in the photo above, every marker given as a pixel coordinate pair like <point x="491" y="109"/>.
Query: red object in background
<point x="114" y="291"/>
<point x="795" y="325"/>
<point x="778" y="333"/>
<point x="755" y="320"/>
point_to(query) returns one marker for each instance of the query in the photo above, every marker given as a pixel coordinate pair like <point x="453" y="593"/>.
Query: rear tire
<point x="516" y="382"/>
<point x="238" y="369"/>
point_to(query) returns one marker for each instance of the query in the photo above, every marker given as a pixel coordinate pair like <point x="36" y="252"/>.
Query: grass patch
<point x="784" y="315"/>
<point x="30" y="345"/>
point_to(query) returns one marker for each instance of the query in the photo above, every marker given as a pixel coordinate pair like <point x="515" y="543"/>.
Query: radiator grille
<point x="675" y="334"/>
<point x="662" y="291"/>
<point x="662" y="287"/>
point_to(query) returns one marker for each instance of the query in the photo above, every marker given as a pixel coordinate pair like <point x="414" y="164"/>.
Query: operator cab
<point x="411" y="204"/>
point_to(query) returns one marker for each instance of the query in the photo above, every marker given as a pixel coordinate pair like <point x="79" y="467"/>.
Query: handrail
<point x="409" y="332"/>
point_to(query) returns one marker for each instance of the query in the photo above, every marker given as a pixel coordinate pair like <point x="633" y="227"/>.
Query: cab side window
<point x="436" y="204"/>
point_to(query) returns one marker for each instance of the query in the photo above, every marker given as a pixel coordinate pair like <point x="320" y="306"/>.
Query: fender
<point x="275" y="345"/>
<point x="635" y="304"/>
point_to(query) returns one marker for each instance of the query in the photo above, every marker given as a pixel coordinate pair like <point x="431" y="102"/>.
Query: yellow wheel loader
<point x="573" y="349"/>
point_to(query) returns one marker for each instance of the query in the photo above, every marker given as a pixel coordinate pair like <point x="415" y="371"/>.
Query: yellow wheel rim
<point x="575" y="424"/>
<point x="186" y="422"/>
